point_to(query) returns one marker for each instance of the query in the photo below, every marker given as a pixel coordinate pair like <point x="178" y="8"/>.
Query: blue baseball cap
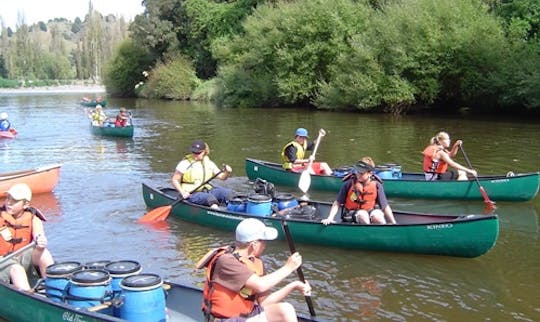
<point x="302" y="132"/>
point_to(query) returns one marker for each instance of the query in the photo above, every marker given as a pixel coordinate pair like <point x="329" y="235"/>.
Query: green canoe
<point x="124" y="131"/>
<point x="183" y="304"/>
<point x="452" y="235"/>
<point x="519" y="187"/>
<point x="93" y="103"/>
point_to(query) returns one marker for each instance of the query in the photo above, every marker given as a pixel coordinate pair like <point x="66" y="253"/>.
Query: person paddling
<point x="293" y="154"/>
<point x="437" y="159"/>
<point x="237" y="287"/>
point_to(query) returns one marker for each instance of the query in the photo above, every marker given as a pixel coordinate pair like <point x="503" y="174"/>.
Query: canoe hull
<point x="40" y="180"/>
<point x="93" y="103"/>
<point x="451" y="235"/>
<point x="183" y="305"/>
<point x="123" y="132"/>
<point x="521" y="187"/>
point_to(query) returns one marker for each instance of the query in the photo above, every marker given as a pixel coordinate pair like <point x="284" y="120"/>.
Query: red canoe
<point x="8" y="134"/>
<point x="42" y="179"/>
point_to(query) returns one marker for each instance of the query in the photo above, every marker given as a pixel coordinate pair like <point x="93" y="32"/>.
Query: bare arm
<point x="333" y="211"/>
<point x="443" y="155"/>
<point x="175" y="180"/>
<point x="261" y="284"/>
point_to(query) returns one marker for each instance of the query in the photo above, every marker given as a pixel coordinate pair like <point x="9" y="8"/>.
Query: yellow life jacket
<point x="197" y="173"/>
<point x="300" y="152"/>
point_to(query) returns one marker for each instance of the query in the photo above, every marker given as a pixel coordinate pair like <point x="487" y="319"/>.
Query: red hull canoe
<point x="40" y="180"/>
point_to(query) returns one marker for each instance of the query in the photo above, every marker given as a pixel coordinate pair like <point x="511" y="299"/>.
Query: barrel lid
<point x="382" y="167"/>
<point x="141" y="281"/>
<point x="123" y="267"/>
<point x="259" y="197"/>
<point x="285" y="197"/>
<point x="90" y="276"/>
<point x="62" y="269"/>
<point x="99" y="264"/>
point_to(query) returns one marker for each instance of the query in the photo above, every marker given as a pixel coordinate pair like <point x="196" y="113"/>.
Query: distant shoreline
<point x="55" y="89"/>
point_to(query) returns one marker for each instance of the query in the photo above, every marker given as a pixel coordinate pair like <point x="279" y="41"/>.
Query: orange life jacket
<point x="431" y="165"/>
<point x="361" y="196"/>
<point x="20" y="229"/>
<point x="220" y="302"/>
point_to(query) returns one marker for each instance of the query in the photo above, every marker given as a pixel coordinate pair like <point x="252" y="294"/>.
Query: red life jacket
<point x="219" y="301"/>
<point x="361" y="196"/>
<point x="431" y="165"/>
<point x="20" y="229"/>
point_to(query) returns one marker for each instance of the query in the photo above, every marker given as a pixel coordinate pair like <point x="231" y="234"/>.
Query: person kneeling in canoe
<point x="237" y="288"/>
<point x="362" y="197"/>
<point x="293" y="154"/>
<point x="437" y="159"/>
<point x="192" y="174"/>
<point x="21" y="224"/>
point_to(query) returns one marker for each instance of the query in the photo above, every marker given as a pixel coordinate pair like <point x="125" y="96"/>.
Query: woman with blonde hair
<point x="437" y="159"/>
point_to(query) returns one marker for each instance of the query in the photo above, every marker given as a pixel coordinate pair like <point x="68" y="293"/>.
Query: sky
<point x="43" y="10"/>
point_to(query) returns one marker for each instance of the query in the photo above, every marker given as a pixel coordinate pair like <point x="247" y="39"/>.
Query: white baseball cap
<point x="3" y="116"/>
<point x="253" y="229"/>
<point x="20" y="191"/>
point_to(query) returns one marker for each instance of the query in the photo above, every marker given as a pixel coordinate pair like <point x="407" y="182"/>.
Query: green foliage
<point x="125" y="69"/>
<point x="8" y="83"/>
<point x="174" y="79"/>
<point x="417" y="52"/>
<point x="287" y="48"/>
<point x="522" y="17"/>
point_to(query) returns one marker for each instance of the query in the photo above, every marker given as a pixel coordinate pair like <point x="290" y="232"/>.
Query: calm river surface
<point x="93" y="210"/>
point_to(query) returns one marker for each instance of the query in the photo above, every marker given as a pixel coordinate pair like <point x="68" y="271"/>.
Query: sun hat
<point x="3" y="116"/>
<point x="362" y="167"/>
<point x="198" y="146"/>
<point x="98" y="106"/>
<point x="302" y="132"/>
<point x="20" y="191"/>
<point x="251" y="229"/>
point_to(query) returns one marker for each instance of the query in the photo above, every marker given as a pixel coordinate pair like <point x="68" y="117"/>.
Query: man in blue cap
<point x="293" y="154"/>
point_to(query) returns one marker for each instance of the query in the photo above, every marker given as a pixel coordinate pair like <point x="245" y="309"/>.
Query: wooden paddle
<point x="305" y="178"/>
<point x="18" y="251"/>
<point x="161" y="213"/>
<point x="299" y="272"/>
<point x="489" y="204"/>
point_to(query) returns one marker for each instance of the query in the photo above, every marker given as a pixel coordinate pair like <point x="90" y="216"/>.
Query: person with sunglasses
<point x="192" y="174"/>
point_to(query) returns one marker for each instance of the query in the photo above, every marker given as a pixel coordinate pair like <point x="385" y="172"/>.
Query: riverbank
<point x="55" y="89"/>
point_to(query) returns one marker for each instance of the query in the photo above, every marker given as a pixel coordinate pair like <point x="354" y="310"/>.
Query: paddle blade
<point x="154" y="215"/>
<point x="488" y="202"/>
<point x="305" y="181"/>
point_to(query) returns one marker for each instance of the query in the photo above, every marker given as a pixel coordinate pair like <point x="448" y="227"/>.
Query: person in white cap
<point x="293" y="154"/>
<point x="237" y="288"/>
<point x="20" y="224"/>
<point x="5" y="125"/>
<point x="98" y="116"/>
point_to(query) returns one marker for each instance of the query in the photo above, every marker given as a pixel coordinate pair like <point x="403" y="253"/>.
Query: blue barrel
<point x="120" y="269"/>
<point x="57" y="279"/>
<point x="383" y="171"/>
<point x="259" y="205"/>
<point x="285" y="200"/>
<point x="396" y="170"/>
<point x="89" y="288"/>
<point x="237" y="203"/>
<point x="143" y="298"/>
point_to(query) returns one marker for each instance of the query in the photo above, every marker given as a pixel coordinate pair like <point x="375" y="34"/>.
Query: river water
<point x="93" y="210"/>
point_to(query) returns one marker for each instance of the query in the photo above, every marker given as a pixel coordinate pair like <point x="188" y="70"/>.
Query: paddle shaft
<point x="18" y="251"/>
<point x="482" y="190"/>
<point x="180" y="198"/>
<point x="299" y="269"/>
